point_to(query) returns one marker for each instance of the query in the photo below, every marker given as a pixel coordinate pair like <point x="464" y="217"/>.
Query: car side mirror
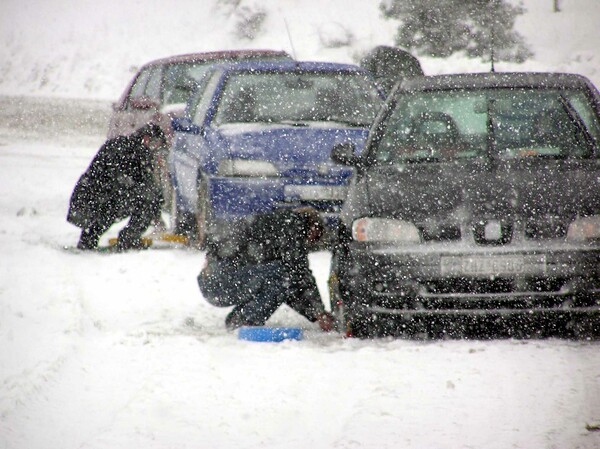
<point x="344" y="154"/>
<point x="143" y="103"/>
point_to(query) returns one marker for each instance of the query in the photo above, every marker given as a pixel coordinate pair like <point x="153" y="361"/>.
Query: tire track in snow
<point x="19" y="389"/>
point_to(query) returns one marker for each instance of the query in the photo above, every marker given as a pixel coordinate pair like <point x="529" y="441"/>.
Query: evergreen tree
<point x="440" y="28"/>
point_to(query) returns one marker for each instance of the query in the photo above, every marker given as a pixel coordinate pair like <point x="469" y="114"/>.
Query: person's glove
<point x="326" y="321"/>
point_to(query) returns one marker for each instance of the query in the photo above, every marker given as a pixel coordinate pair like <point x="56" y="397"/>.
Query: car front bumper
<point x="454" y="283"/>
<point x="234" y="197"/>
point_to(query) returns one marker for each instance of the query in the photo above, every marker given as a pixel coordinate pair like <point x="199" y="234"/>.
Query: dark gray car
<point x="475" y="211"/>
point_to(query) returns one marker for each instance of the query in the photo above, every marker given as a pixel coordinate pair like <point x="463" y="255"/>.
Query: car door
<point x="191" y="149"/>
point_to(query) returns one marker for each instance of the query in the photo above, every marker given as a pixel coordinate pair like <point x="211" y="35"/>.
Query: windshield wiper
<point x="349" y="122"/>
<point x="292" y="122"/>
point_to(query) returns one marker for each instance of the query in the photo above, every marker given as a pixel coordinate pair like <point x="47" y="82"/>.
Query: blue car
<point x="257" y="136"/>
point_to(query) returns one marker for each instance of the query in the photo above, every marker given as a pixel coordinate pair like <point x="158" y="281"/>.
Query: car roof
<point x="496" y="80"/>
<point x="218" y="55"/>
<point x="291" y="65"/>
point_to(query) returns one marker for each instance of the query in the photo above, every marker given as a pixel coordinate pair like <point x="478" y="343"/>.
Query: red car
<point x="160" y="88"/>
<point x="159" y="91"/>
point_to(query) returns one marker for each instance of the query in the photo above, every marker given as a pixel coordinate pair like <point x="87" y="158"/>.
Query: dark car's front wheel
<point x="585" y="328"/>
<point x="350" y="320"/>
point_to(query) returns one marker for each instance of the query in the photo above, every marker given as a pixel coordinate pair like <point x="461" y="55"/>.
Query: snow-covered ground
<point x="121" y="351"/>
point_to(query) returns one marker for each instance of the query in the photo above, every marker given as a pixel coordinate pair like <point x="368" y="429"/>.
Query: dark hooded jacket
<point x="120" y="175"/>
<point x="279" y="236"/>
<point x="389" y="65"/>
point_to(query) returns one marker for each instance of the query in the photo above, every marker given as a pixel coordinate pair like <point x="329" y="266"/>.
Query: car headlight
<point x="385" y="230"/>
<point x="584" y="228"/>
<point x="246" y="167"/>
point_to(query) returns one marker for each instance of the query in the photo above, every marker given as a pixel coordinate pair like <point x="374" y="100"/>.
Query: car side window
<point x="147" y="85"/>
<point x="154" y="84"/>
<point x="139" y="86"/>
<point x="586" y="113"/>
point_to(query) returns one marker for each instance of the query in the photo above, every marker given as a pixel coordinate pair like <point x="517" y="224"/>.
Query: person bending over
<point x="263" y="263"/>
<point x="119" y="183"/>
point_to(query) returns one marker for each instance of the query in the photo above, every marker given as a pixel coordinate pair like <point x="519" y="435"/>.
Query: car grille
<point x="498" y="232"/>
<point x="472" y="294"/>
<point x="492" y="232"/>
<point x="501" y="285"/>
<point x="460" y="285"/>
<point x="546" y="228"/>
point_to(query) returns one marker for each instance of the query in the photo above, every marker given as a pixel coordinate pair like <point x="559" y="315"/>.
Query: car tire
<point x="183" y="222"/>
<point x="203" y="214"/>
<point x="587" y="328"/>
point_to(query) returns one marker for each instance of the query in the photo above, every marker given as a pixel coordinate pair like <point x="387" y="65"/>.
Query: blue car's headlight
<point x="246" y="167"/>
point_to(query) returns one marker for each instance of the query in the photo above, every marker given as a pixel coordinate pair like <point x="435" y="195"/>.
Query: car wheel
<point x="183" y="222"/>
<point x="587" y="328"/>
<point x="348" y="321"/>
<point x="163" y="178"/>
<point x="203" y="215"/>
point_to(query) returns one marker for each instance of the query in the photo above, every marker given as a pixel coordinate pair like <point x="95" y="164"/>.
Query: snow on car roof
<point x="290" y="65"/>
<point x="217" y="55"/>
<point x="496" y="79"/>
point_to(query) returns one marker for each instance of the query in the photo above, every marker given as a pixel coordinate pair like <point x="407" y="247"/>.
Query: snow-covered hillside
<point x="90" y="49"/>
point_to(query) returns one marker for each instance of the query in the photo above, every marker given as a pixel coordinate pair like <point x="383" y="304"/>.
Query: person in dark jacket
<point x="119" y="183"/>
<point x="262" y="264"/>
<point x="388" y="65"/>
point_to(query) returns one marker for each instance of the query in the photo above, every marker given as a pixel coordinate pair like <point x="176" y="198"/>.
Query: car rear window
<point x="180" y="80"/>
<point x="512" y="123"/>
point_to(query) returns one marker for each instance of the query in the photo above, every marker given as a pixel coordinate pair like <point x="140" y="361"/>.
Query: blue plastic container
<point x="269" y="334"/>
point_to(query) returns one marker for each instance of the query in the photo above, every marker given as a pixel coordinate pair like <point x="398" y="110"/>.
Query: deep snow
<point x="120" y="350"/>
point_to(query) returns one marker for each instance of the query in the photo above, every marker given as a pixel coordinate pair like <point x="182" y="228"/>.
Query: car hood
<point x="289" y="147"/>
<point x="477" y="190"/>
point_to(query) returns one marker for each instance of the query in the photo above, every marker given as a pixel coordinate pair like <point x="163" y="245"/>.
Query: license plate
<point x="314" y="193"/>
<point x="484" y="265"/>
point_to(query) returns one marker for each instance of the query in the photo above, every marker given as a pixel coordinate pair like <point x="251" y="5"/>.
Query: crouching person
<point x="119" y="183"/>
<point x="262" y="264"/>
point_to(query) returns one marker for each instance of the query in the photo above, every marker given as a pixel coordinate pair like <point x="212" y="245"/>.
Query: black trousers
<point x="142" y="210"/>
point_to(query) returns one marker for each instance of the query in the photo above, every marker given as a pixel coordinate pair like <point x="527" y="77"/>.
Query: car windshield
<point x="298" y="98"/>
<point x="499" y="123"/>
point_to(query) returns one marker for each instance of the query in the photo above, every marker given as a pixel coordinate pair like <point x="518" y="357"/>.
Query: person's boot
<point x="125" y="244"/>
<point x="237" y="318"/>
<point x="234" y="320"/>
<point x="88" y="240"/>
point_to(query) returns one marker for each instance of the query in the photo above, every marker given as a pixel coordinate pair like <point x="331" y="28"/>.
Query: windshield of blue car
<point x="499" y="123"/>
<point x="298" y="98"/>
